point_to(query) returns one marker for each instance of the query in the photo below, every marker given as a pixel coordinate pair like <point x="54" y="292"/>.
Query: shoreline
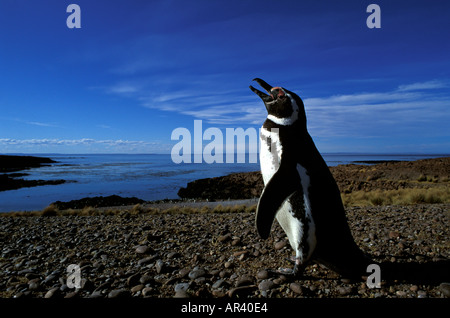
<point x="387" y="183"/>
<point x="11" y="164"/>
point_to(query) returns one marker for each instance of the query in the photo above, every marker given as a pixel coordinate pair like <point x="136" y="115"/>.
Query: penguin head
<point x="283" y="107"/>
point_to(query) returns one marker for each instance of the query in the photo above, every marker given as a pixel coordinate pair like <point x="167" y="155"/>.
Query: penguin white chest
<point x="299" y="229"/>
<point x="270" y="153"/>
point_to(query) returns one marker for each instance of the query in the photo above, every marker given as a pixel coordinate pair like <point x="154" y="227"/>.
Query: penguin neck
<point x="296" y="128"/>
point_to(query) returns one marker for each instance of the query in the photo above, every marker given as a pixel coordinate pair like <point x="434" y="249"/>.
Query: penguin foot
<point x="289" y="273"/>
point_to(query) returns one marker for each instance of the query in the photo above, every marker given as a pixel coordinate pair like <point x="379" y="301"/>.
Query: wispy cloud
<point x="124" y="88"/>
<point x="435" y="84"/>
<point x="83" y="141"/>
<point x="31" y="122"/>
<point x="361" y="113"/>
<point x="83" y="144"/>
<point x="409" y="109"/>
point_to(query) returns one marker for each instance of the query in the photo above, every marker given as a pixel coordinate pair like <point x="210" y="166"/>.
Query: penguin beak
<point x="276" y="94"/>
<point x="266" y="98"/>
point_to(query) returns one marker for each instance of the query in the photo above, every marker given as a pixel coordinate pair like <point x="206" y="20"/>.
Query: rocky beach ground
<point x="213" y="255"/>
<point x="212" y="250"/>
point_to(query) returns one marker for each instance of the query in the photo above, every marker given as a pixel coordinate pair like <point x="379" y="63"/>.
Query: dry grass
<point x="356" y="198"/>
<point x="397" y="197"/>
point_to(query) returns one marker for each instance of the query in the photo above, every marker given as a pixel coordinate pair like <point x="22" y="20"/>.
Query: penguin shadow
<point x="416" y="273"/>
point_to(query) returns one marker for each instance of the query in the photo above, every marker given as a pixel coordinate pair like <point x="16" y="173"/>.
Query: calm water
<point x="148" y="177"/>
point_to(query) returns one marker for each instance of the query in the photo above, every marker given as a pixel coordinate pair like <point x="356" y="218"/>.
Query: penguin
<point x="300" y="191"/>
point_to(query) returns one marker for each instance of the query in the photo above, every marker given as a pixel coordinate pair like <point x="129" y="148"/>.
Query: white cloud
<point x="123" y="88"/>
<point x="82" y="145"/>
<point x="435" y="84"/>
<point x="31" y="122"/>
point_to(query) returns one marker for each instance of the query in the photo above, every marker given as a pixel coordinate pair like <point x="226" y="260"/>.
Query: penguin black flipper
<point x="282" y="184"/>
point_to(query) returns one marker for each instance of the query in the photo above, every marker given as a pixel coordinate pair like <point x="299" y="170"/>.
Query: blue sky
<point x="136" y="70"/>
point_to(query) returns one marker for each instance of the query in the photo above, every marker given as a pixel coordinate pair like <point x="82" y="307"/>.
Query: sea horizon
<point x="145" y="176"/>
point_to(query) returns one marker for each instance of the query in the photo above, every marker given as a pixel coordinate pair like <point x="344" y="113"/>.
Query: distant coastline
<point x="13" y="181"/>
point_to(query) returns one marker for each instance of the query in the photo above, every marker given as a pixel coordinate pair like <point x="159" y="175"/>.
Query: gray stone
<point x="181" y="294"/>
<point x="344" y="290"/>
<point x="296" y="288"/>
<point x="244" y="281"/>
<point x="145" y="279"/>
<point x="445" y="289"/>
<point x="52" y="292"/>
<point x="218" y="283"/>
<point x="159" y="266"/>
<point x="146" y="260"/>
<point x="265" y="285"/>
<point x="143" y="249"/>
<point x="182" y="287"/>
<point x="280" y="244"/>
<point x="196" y="273"/>
<point x="263" y="274"/>
<point x="137" y="288"/>
<point x="116" y="293"/>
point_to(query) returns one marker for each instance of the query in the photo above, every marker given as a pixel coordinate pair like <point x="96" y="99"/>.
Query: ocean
<point x="145" y="176"/>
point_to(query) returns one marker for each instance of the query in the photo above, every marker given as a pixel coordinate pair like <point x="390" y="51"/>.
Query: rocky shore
<point x="204" y="254"/>
<point x="11" y="180"/>
<point x="393" y="175"/>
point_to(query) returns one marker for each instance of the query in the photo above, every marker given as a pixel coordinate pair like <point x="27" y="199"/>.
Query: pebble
<point x="236" y="241"/>
<point x="263" y="274"/>
<point x="143" y="249"/>
<point x="137" y="288"/>
<point x="183" y="272"/>
<point x="181" y="294"/>
<point x="182" y="287"/>
<point x="146" y="260"/>
<point x="244" y="281"/>
<point x="296" y="288"/>
<point x="242" y="291"/>
<point x="116" y="293"/>
<point x="159" y="266"/>
<point x="181" y="290"/>
<point x="225" y="237"/>
<point x="421" y="294"/>
<point x="52" y="292"/>
<point x="344" y="290"/>
<point x="96" y="294"/>
<point x="71" y="294"/>
<point x="400" y="293"/>
<point x="445" y="289"/>
<point x="145" y="279"/>
<point x="218" y="283"/>
<point x="147" y="291"/>
<point x="266" y="284"/>
<point x="133" y="279"/>
<point x="394" y="234"/>
<point x="280" y="244"/>
<point x="196" y="273"/>
<point x="173" y="255"/>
